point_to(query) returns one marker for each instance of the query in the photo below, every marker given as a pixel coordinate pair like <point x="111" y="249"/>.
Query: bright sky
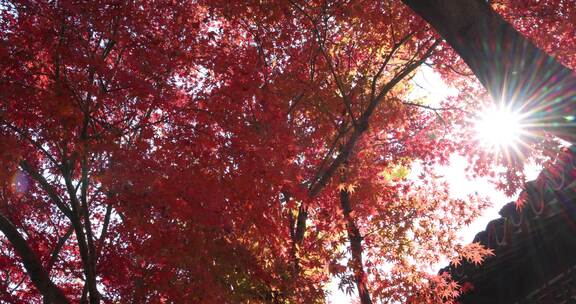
<point x="429" y="84"/>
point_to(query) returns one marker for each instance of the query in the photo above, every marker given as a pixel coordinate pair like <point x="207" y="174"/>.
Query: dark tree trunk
<point x="356" y="249"/>
<point x="38" y="275"/>
<point x="511" y="68"/>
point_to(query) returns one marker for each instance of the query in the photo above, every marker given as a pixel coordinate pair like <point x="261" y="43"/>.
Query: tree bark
<point x="83" y="246"/>
<point x="510" y="67"/>
<point x="356" y="249"/>
<point x="38" y="275"/>
<point x="297" y="230"/>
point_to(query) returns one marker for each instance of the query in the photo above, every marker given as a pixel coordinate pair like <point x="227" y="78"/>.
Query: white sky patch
<point x="461" y="185"/>
<point x="429" y="85"/>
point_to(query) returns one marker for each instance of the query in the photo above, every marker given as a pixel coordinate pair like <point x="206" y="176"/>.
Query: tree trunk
<point x="510" y="67"/>
<point x="356" y="249"/>
<point x="38" y="275"/>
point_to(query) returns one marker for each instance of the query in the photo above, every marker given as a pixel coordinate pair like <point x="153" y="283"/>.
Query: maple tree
<point x="215" y="151"/>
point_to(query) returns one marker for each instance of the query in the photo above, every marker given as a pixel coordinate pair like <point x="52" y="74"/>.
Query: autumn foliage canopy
<point x="237" y="151"/>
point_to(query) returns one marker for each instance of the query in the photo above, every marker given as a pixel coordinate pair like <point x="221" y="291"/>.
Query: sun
<point x="499" y="128"/>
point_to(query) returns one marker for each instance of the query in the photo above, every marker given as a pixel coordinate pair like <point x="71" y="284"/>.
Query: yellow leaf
<point x="351" y="188"/>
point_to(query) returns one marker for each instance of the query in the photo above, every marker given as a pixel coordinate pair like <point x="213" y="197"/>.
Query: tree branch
<point x="363" y="123"/>
<point x="40" y="179"/>
<point x="89" y="270"/>
<point x="355" y="239"/>
<point x="58" y="248"/>
<point x="32" y="264"/>
<point x="339" y="84"/>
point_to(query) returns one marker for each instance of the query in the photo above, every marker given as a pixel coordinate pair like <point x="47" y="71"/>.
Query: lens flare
<point x="20" y="182"/>
<point x="499" y="128"/>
